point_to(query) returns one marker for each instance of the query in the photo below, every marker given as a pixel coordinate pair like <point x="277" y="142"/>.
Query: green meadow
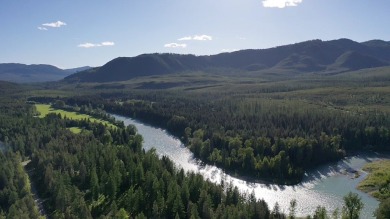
<point x="45" y="109"/>
<point x="378" y="179"/>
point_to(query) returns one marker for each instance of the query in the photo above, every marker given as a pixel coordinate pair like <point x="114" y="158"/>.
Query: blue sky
<point x="70" y="33"/>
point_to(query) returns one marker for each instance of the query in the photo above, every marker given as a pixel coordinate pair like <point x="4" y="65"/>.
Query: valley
<point x="272" y="134"/>
<point x="196" y="109"/>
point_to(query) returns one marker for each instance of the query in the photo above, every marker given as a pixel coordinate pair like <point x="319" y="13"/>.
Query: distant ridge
<point x="21" y="73"/>
<point x="314" y="56"/>
<point x="75" y="70"/>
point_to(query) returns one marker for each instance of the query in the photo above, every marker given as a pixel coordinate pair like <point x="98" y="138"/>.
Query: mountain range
<point x="314" y="56"/>
<point x="21" y="73"/>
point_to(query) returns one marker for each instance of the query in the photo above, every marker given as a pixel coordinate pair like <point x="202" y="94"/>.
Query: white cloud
<point x="196" y="37"/>
<point x="107" y="43"/>
<point x="42" y="28"/>
<point x="54" y="24"/>
<point x="185" y="38"/>
<point x="175" y="45"/>
<point x="87" y="45"/>
<point x="281" y="3"/>
<point x="202" y="37"/>
<point x="90" y="45"/>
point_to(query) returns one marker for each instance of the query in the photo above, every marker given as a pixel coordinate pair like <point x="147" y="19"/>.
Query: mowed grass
<point x="45" y="109"/>
<point x="379" y="174"/>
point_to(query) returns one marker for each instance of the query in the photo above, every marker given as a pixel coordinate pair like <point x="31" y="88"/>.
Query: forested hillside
<point x="323" y="57"/>
<point x="102" y="172"/>
<point x="16" y="199"/>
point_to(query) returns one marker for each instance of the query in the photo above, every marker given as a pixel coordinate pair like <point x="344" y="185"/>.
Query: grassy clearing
<point x="75" y="130"/>
<point x="45" y="109"/>
<point x="379" y="175"/>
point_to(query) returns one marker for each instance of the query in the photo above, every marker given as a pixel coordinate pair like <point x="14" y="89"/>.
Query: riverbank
<point x="377" y="182"/>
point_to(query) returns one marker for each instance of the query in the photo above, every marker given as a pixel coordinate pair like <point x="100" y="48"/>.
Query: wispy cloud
<point x="87" y="45"/>
<point x="281" y="3"/>
<point x="175" y="45"/>
<point x="202" y="37"/>
<point x="91" y="45"/>
<point x="54" y="24"/>
<point x="196" y="37"/>
<point x="107" y="43"/>
<point x="185" y="38"/>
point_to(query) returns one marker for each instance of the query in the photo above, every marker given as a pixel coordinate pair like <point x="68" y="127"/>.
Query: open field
<point x="45" y="109"/>
<point x="75" y="130"/>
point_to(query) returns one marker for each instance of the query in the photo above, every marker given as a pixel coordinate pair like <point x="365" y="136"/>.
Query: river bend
<point x="324" y="186"/>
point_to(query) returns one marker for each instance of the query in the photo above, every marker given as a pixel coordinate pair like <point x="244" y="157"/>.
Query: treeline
<point x="259" y="138"/>
<point x="105" y="173"/>
<point x="16" y="200"/>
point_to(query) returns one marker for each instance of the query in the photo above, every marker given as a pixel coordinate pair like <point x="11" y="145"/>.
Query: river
<point x="323" y="186"/>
